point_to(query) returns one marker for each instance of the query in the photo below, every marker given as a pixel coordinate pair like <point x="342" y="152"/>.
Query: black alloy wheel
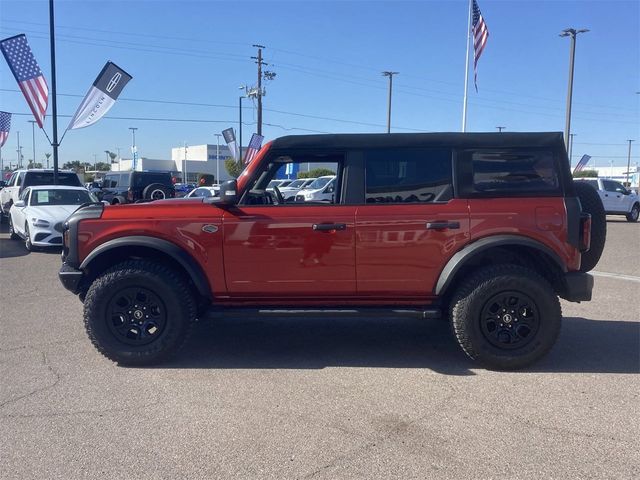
<point x="509" y="320"/>
<point x="136" y="316"/>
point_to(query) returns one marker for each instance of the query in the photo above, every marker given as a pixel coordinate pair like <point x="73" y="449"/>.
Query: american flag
<point x="30" y="79"/>
<point x="253" y="148"/>
<point x="582" y="163"/>
<point x="480" y="36"/>
<point x="5" y="126"/>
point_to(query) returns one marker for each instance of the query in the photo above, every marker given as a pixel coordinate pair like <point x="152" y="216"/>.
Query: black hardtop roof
<point x="395" y="140"/>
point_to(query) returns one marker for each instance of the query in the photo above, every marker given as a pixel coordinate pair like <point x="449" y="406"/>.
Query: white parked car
<point x="289" y="192"/>
<point x="616" y="198"/>
<point x="39" y="214"/>
<point x="201" y="192"/>
<point x="322" y="189"/>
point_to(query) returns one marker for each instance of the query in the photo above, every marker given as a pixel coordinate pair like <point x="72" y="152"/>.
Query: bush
<point x="234" y="168"/>
<point x="316" y="172"/>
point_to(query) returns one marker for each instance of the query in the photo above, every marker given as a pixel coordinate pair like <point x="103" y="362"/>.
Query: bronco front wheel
<point x="506" y="317"/>
<point x="139" y="312"/>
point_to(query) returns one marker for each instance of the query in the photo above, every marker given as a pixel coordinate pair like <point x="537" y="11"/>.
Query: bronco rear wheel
<point x="139" y="313"/>
<point x="506" y="317"/>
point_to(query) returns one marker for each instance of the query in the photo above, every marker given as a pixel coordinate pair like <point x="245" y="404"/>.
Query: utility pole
<point x="390" y="75"/>
<point x="629" y="165"/>
<point x="570" y="32"/>
<point x="33" y="138"/>
<point x="259" y="61"/>
<point x="134" y="149"/>
<point x="19" y="150"/>
<point x="240" y="128"/>
<point x="500" y="129"/>
<point x="217" y="158"/>
<point x="570" y="150"/>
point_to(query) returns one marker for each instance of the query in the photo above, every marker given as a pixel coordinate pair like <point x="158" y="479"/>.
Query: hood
<point x="52" y="213"/>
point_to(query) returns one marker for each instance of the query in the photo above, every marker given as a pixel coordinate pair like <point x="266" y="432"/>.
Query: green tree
<point x="316" y="172"/>
<point x="34" y="165"/>
<point x="234" y="168"/>
<point x="103" y="166"/>
<point x="113" y="156"/>
<point x="586" y="174"/>
<point x="47" y="155"/>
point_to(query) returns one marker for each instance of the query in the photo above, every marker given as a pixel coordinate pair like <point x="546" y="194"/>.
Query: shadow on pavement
<point x="10" y="248"/>
<point x="315" y="343"/>
<point x="592" y="346"/>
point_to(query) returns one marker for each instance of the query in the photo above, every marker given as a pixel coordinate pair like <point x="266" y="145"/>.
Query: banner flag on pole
<point x="27" y="73"/>
<point x="253" y="148"/>
<point x="5" y="126"/>
<point x="582" y="163"/>
<point x="480" y="36"/>
<point x="230" y="137"/>
<point x="101" y="96"/>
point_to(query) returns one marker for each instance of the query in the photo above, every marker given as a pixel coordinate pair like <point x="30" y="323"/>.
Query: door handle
<point x="442" y="225"/>
<point x="328" y="227"/>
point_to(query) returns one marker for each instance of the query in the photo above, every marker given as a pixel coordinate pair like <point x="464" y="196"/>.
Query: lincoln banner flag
<point x="101" y="96"/>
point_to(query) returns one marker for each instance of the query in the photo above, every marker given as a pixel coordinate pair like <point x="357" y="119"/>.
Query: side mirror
<point x="229" y="192"/>
<point x="19" y="204"/>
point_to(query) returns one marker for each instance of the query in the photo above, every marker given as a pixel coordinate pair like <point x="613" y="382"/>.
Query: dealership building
<point x="186" y="162"/>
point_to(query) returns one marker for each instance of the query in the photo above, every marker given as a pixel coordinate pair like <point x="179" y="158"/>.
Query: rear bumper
<point x="578" y="287"/>
<point x="70" y="278"/>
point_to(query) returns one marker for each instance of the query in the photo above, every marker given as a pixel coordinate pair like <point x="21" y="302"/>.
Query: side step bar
<point x="430" y="313"/>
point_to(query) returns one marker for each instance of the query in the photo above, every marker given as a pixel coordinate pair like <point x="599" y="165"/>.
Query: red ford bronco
<point x="487" y="230"/>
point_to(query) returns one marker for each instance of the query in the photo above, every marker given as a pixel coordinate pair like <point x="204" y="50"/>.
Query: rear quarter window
<point x="46" y="178"/>
<point x="517" y="172"/>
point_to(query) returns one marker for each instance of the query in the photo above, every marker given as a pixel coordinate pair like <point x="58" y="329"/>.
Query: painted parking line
<point x="619" y="276"/>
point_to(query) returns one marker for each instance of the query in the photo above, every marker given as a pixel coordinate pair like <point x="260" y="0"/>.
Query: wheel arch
<point x="502" y="249"/>
<point x="124" y="248"/>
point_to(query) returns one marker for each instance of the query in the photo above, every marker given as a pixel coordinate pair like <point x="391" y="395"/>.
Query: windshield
<point x="61" y="197"/>
<point x="319" y="183"/>
<point x="296" y="183"/>
<point x="274" y="183"/>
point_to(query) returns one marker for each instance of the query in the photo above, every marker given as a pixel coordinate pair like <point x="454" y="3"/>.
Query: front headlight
<point x="37" y="222"/>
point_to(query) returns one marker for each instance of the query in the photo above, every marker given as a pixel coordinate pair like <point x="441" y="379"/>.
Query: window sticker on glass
<point x="43" y="196"/>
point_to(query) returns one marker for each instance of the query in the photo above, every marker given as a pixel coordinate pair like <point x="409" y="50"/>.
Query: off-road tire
<point x="12" y="233"/>
<point x="633" y="215"/>
<point x="475" y="294"/>
<point x="168" y="285"/>
<point x="155" y="191"/>
<point x="592" y="204"/>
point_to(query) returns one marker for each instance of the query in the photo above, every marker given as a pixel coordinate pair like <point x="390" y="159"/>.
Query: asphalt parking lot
<point x="318" y="398"/>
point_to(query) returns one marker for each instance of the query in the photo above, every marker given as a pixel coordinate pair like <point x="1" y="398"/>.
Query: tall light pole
<point x="217" y="158"/>
<point x="240" y="126"/>
<point x="629" y="164"/>
<point x="500" y="129"/>
<point x="570" y="32"/>
<point x="134" y="149"/>
<point x="33" y="138"/>
<point x="19" y="150"/>
<point x="95" y="163"/>
<point x="390" y="75"/>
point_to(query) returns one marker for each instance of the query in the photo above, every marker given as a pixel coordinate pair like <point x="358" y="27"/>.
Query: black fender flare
<point x="190" y="265"/>
<point x="460" y="258"/>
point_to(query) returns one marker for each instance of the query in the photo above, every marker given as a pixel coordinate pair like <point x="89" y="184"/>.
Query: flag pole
<point x="54" y="106"/>
<point x="466" y="73"/>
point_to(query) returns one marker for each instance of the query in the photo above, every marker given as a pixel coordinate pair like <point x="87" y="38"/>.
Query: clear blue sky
<point x="328" y="57"/>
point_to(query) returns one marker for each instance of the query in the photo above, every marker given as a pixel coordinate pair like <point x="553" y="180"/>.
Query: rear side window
<point x="46" y="178"/>
<point x="149" y="178"/>
<point x="514" y="172"/>
<point x="408" y="175"/>
<point x="110" y="181"/>
<point x="593" y="183"/>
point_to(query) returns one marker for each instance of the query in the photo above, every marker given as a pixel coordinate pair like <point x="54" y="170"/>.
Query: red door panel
<point x="396" y="254"/>
<point x="275" y="251"/>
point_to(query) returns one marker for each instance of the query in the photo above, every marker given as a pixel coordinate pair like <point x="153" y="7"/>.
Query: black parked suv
<point x="129" y="187"/>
